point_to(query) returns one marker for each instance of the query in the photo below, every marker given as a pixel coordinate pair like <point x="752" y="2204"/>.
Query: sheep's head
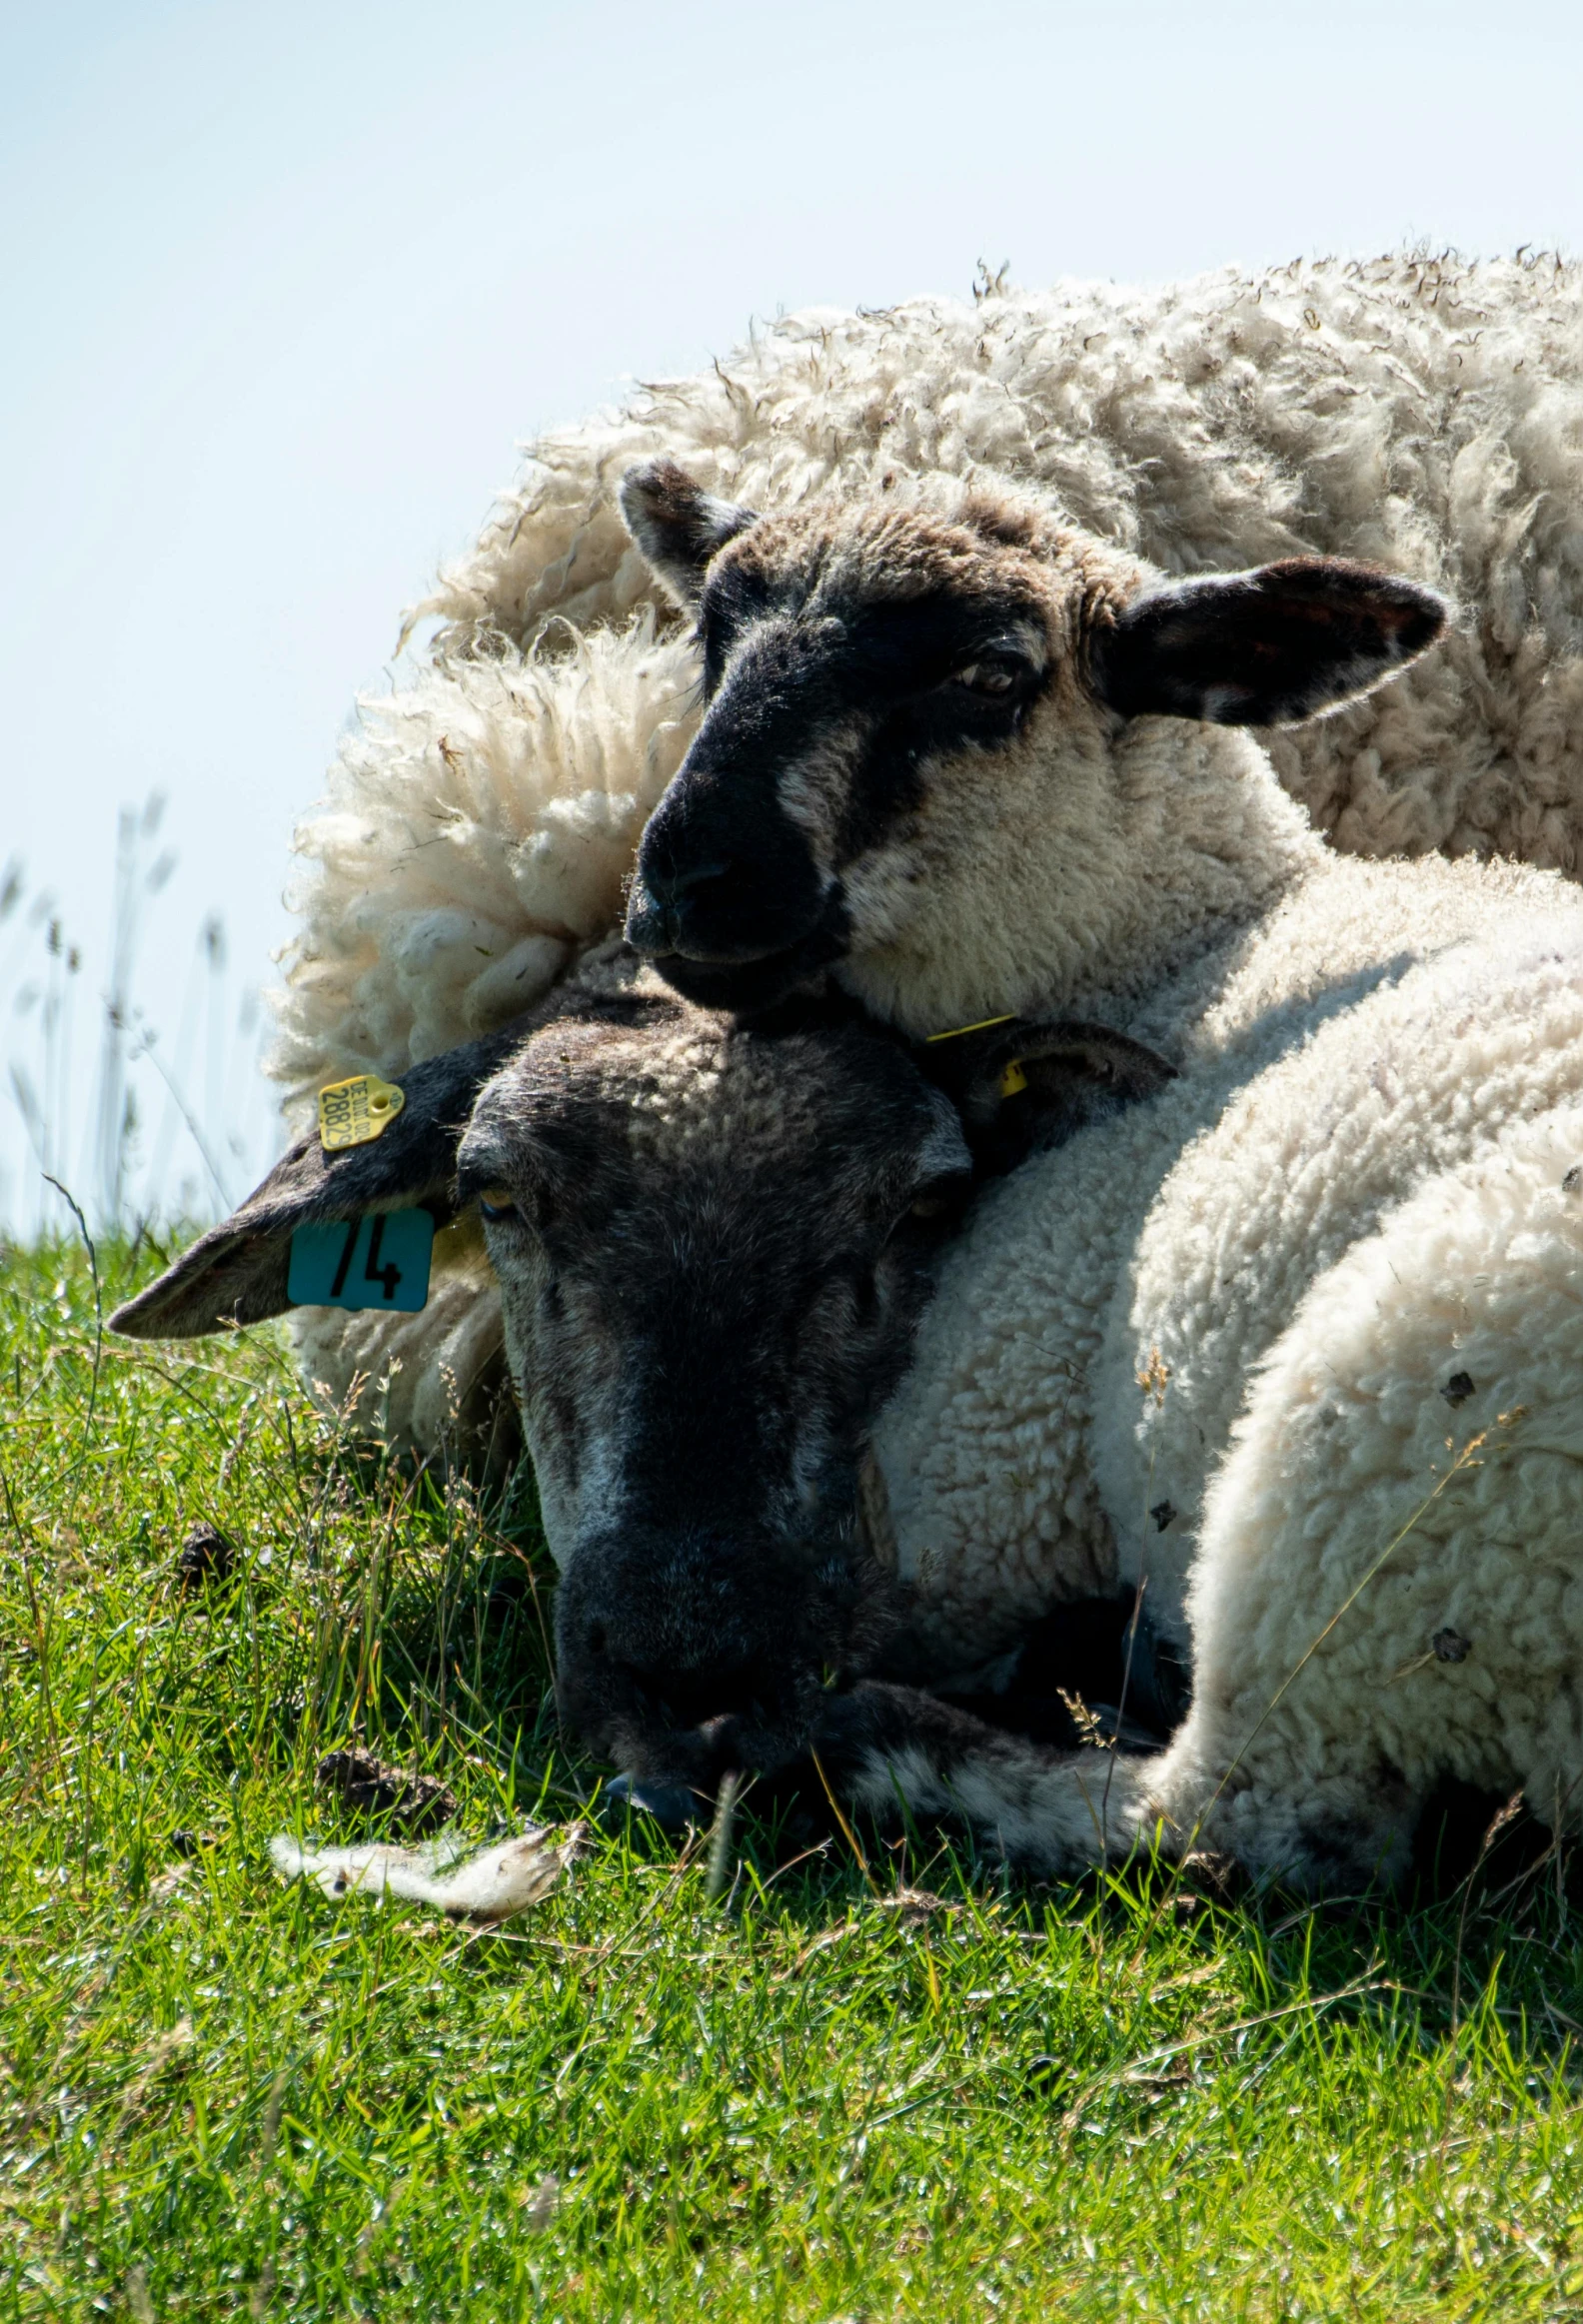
<point x="714" y="1240"/>
<point x="908" y="695"/>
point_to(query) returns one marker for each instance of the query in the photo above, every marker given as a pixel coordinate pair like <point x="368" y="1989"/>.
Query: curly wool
<point x="480" y="826"/>
<point x="1419" y="413"/>
<point x="1098" y="1323"/>
<point x="1296" y="1350"/>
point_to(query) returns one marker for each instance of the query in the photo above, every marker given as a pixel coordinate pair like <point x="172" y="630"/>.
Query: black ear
<point x="236" y="1274"/>
<point x="1266" y="647"/>
<point x="1021" y="1086"/>
<point x="677" y="526"/>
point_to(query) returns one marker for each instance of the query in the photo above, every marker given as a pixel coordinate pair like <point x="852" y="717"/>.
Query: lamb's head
<point x="914" y="698"/>
<point x="714" y="1240"/>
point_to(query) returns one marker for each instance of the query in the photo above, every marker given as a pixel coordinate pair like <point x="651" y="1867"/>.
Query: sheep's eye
<point x="940" y="1201"/>
<point x="494" y="1203"/>
<point x="988" y="677"/>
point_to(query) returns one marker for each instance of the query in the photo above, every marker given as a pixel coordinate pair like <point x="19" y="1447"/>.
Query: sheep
<point x="713" y="1241"/>
<point x="1421" y="413"/>
<point x="950" y="757"/>
<point x="1412" y="411"/>
<point x="714" y="1236"/>
<point x="1409" y="412"/>
<point x="1374" y="1605"/>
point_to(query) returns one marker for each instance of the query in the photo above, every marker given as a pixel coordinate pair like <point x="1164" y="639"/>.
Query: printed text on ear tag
<point x="352" y="1112"/>
<point x="378" y="1261"/>
<point x="1014" y="1078"/>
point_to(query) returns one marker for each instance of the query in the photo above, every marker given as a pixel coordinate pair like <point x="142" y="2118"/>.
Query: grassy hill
<point x="905" y="2086"/>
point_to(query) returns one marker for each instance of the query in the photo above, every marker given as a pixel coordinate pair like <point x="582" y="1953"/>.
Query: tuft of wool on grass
<point x="488" y="1887"/>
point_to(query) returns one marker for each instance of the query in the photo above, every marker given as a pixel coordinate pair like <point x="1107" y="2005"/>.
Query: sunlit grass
<point x="223" y="2097"/>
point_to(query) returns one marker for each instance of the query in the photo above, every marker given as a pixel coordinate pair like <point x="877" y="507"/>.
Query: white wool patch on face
<point x="574" y="1394"/>
<point x="581" y="1496"/>
<point x="944" y="1151"/>
<point x="813" y="792"/>
<point x="674" y="1093"/>
<point x="880" y="889"/>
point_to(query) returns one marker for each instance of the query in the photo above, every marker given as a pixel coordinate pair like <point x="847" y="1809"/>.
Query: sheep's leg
<point x="1389" y="1586"/>
<point x="1389" y="1580"/>
<point x="889" y="1748"/>
<point x="886" y="1748"/>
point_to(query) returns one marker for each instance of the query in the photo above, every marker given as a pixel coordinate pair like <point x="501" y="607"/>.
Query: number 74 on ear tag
<point x="381" y="1260"/>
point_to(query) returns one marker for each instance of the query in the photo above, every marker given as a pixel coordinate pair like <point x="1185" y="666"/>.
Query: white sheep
<point x="713" y="1243"/>
<point x="1228" y="1346"/>
<point x="1232" y="1345"/>
<point x="1419" y="413"/>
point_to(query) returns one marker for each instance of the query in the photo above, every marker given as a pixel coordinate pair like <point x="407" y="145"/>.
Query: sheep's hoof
<point x="1217" y="1877"/>
<point x="672" y="1806"/>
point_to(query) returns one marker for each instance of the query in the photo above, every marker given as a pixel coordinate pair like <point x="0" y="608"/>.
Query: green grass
<point x="220" y="2096"/>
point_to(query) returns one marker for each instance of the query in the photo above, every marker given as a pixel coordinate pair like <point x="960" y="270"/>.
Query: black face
<point x="713" y="1245"/>
<point x="863" y="664"/>
<point x="713" y="1241"/>
<point x="825" y="711"/>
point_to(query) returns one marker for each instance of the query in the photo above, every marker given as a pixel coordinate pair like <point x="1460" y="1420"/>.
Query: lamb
<point x="1420" y="413"/>
<point x="949" y="757"/>
<point x="1415" y="412"/>
<point x="713" y="1241"/>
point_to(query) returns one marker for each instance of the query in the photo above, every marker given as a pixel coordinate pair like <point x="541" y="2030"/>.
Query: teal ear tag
<point x="378" y="1261"/>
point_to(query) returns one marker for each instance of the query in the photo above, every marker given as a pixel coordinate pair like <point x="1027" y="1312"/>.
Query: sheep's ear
<point x="1023" y="1085"/>
<point x="677" y="525"/>
<point x="1266" y="647"/>
<point x="236" y="1274"/>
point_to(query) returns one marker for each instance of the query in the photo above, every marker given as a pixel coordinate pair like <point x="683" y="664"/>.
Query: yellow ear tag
<point x="1014" y="1078"/>
<point x="352" y="1112"/>
<point x="956" y="1032"/>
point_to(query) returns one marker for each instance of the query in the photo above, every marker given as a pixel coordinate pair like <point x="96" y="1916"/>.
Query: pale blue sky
<point x="281" y="288"/>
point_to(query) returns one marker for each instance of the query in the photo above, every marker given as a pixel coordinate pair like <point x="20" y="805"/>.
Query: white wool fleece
<point x="1099" y="1324"/>
<point x="482" y="820"/>
<point x="1298" y="1346"/>
<point x="1421" y="413"/>
<point x="1461" y="1650"/>
<point x="1390" y="1586"/>
<point x="479" y="829"/>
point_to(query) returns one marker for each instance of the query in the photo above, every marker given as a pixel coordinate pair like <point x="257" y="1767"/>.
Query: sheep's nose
<point x="649" y="928"/>
<point x="659" y="903"/>
<point x="672" y="1806"/>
